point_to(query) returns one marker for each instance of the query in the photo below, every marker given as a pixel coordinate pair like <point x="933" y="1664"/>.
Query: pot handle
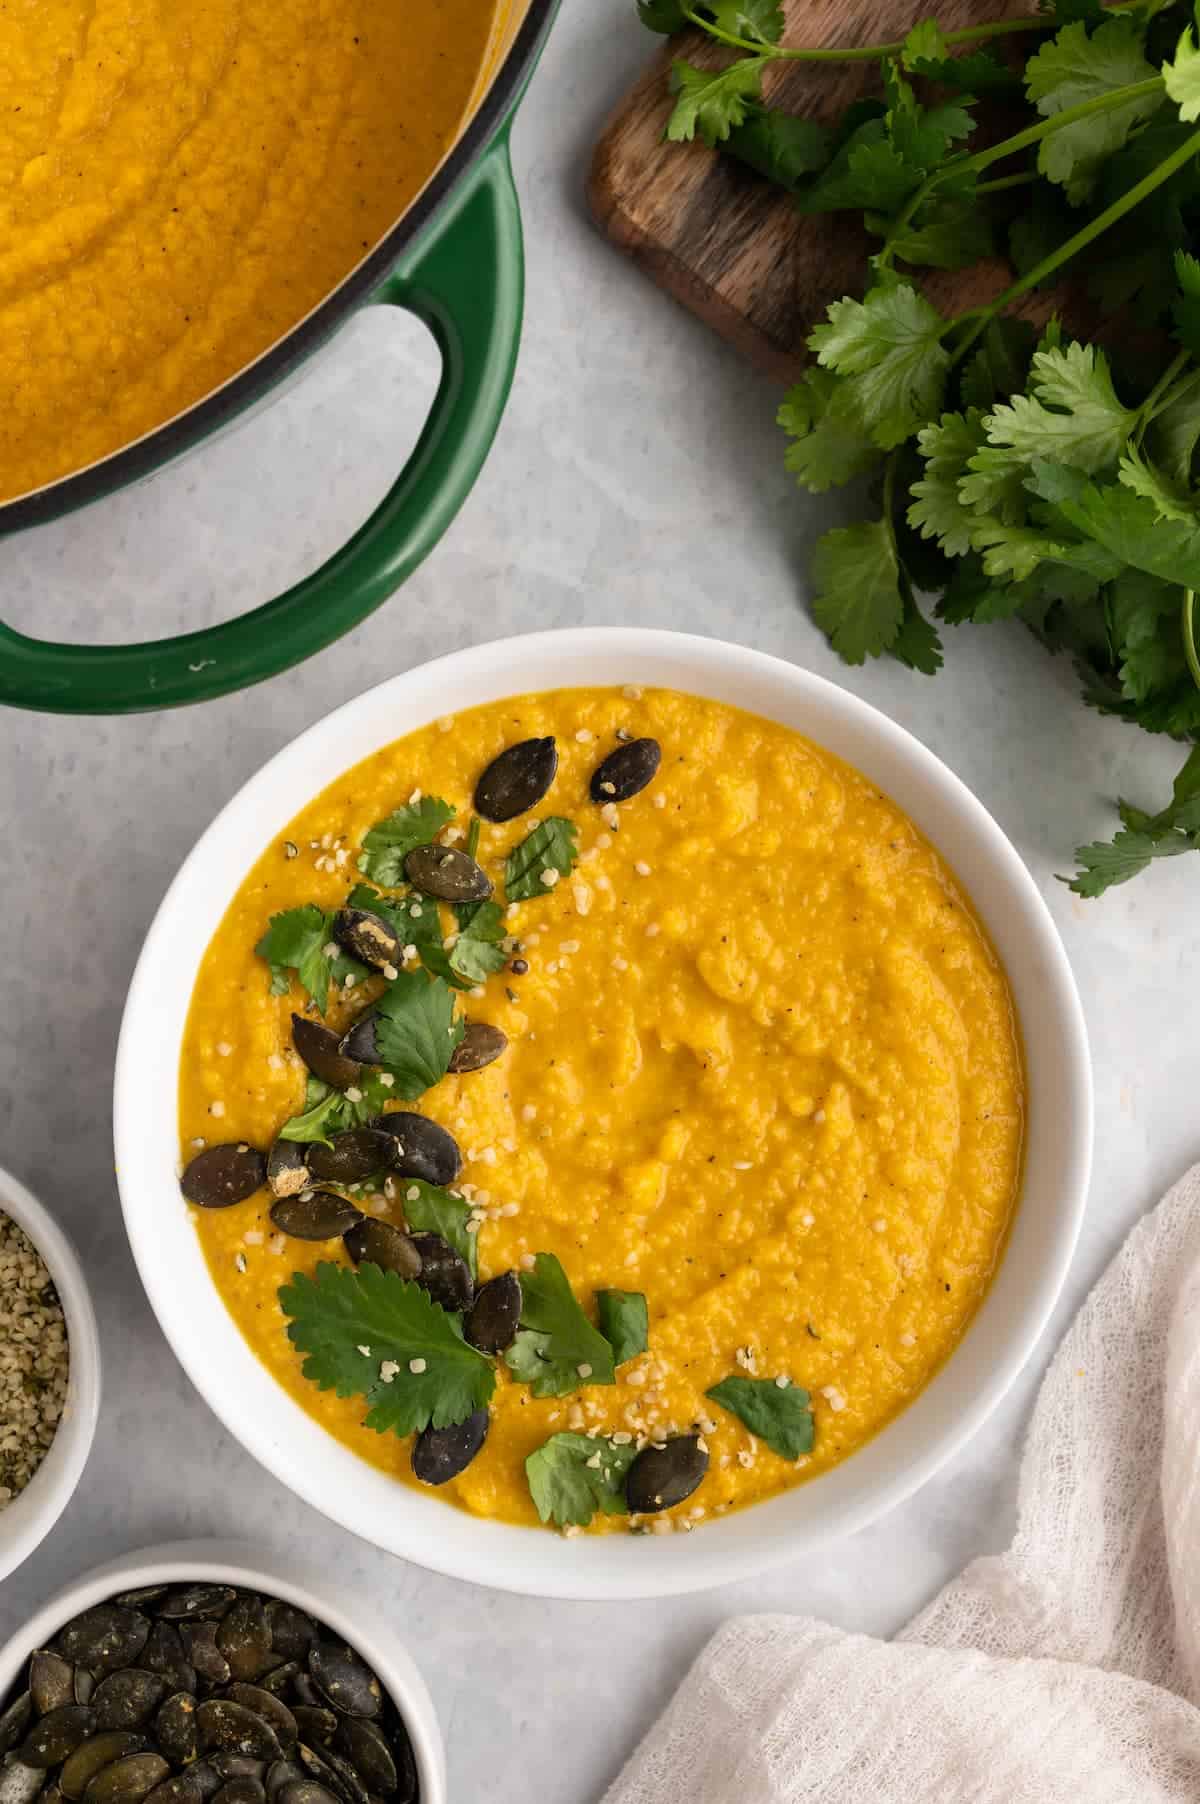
<point x="466" y="283"/>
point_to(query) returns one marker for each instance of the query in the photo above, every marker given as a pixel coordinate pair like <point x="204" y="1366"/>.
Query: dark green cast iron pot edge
<point x="456" y="261"/>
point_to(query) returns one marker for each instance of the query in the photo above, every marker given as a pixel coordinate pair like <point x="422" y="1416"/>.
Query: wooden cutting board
<point x="725" y="242"/>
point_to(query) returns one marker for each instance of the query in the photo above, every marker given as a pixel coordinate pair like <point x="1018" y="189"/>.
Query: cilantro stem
<point x="1095" y="228"/>
<point x="999" y="183"/>
<point x="1033" y="134"/>
<point x="858" y="53"/>
<point x="1189" y="635"/>
<point x="1152" y="404"/>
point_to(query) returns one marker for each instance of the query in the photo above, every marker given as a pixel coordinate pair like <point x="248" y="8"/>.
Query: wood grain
<point x="726" y="243"/>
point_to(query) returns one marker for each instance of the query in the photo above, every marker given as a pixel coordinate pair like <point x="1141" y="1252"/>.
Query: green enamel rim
<point x="464" y="278"/>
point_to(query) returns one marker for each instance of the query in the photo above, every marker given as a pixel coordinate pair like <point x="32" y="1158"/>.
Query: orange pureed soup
<point x="762" y="1068"/>
<point x="180" y="184"/>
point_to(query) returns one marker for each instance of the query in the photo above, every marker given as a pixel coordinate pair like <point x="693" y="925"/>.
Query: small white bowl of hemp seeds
<point x="49" y="1372"/>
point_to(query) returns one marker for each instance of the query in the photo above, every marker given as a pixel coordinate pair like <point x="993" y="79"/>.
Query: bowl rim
<point x="1004" y="1330"/>
<point x="252" y="1568"/>
<point x="28" y="1519"/>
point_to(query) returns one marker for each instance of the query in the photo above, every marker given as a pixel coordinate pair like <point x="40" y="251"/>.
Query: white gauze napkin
<point x="1066" y="1671"/>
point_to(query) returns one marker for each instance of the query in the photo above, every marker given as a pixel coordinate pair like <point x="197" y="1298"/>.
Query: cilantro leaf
<point x="938" y="510"/>
<point x="663" y="16"/>
<point x="945" y="234"/>
<point x="1170" y="500"/>
<point x="477" y="952"/>
<point x="1001" y="364"/>
<point x="432" y="1210"/>
<point x="779" y="1415"/>
<point x="922" y="136"/>
<point x="556" y="1338"/>
<point x="890" y="345"/>
<point x="783" y="147"/>
<point x="1072" y="416"/>
<point x="761" y="20"/>
<point x="624" y="1322"/>
<point x="418" y="921"/>
<point x="1129" y="527"/>
<point x="832" y="444"/>
<point x="1149" y="658"/>
<point x="416" y="1032"/>
<point x="1174" y="432"/>
<point x="550" y="847"/>
<point x="866" y="171"/>
<point x="388" y="843"/>
<point x="712" y="101"/>
<point x="859" y="602"/>
<point x="321" y="1118"/>
<point x="350" y="1322"/>
<point x="295" y="941"/>
<point x="1182" y="76"/>
<point x="978" y="72"/>
<point x="926" y="42"/>
<point x="1186" y="307"/>
<point x="1144" y="837"/>
<point x="572" y="1476"/>
<point x="1074" y="67"/>
<point x="918" y="643"/>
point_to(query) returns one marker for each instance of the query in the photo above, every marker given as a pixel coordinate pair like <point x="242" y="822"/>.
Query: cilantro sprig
<point x="416" y="1031"/>
<point x="557" y="1349"/>
<point x="365" y="1332"/>
<point x="300" y="940"/>
<point x="1053" y="482"/>
<point x="572" y="1476"/>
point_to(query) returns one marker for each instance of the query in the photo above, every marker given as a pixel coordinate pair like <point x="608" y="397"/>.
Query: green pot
<point x="456" y="260"/>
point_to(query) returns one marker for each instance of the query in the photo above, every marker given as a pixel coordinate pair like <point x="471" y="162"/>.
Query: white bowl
<point x="421" y="1526"/>
<point x="231" y="1563"/>
<point x="30" y="1517"/>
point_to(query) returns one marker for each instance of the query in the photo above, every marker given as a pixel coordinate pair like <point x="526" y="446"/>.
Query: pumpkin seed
<point x="423" y="1149"/>
<point x="319" y="1048"/>
<point x="305" y="1692"/>
<point x="374" y="1242"/>
<point x="440" y="1454"/>
<point x="199" y="1641"/>
<point x="626" y="772"/>
<point x="292" y="1632"/>
<point x="127" y="1781"/>
<point x="330" y="1770"/>
<point x="232" y="1729"/>
<point x="350" y="1157"/>
<point x="55" y="1736"/>
<point x="175" y="1728"/>
<point x="444" y="1274"/>
<point x="236" y="1766"/>
<point x="198" y="1601"/>
<point x="141" y="1597"/>
<point x="222" y="1175"/>
<point x="480" y="1045"/>
<point x="447" y="873"/>
<point x="241" y="1791"/>
<point x="316" y="1725"/>
<point x="301" y="1791"/>
<point x="495" y="1314"/>
<point x="287" y="1169"/>
<point x="517" y="780"/>
<point x="14" y="1720"/>
<point x="347" y="1682"/>
<point x="206" y="1777"/>
<point x="360" y="1042"/>
<point x="272" y="1709"/>
<point x="661" y="1477"/>
<point x="104" y="1638"/>
<point x="163" y="1653"/>
<point x="313" y="1215"/>
<point x="279" y="1774"/>
<point x="365" y="1747"/>
<point x="278" y="1681"/>
<point x="367" y="937"/>
<point x="124" y="1700"/>
<point x="180" y="1788"/>
<point x="244" y="1638"/>
<point x="92" y="1755"/>
<point x="51" y="1681"/>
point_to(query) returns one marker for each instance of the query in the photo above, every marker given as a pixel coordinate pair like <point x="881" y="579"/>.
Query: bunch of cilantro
<point x="1016" y="476"/>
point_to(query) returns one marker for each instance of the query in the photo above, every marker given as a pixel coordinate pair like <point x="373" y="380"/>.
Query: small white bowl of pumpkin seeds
<point x="49" y="1372"/>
